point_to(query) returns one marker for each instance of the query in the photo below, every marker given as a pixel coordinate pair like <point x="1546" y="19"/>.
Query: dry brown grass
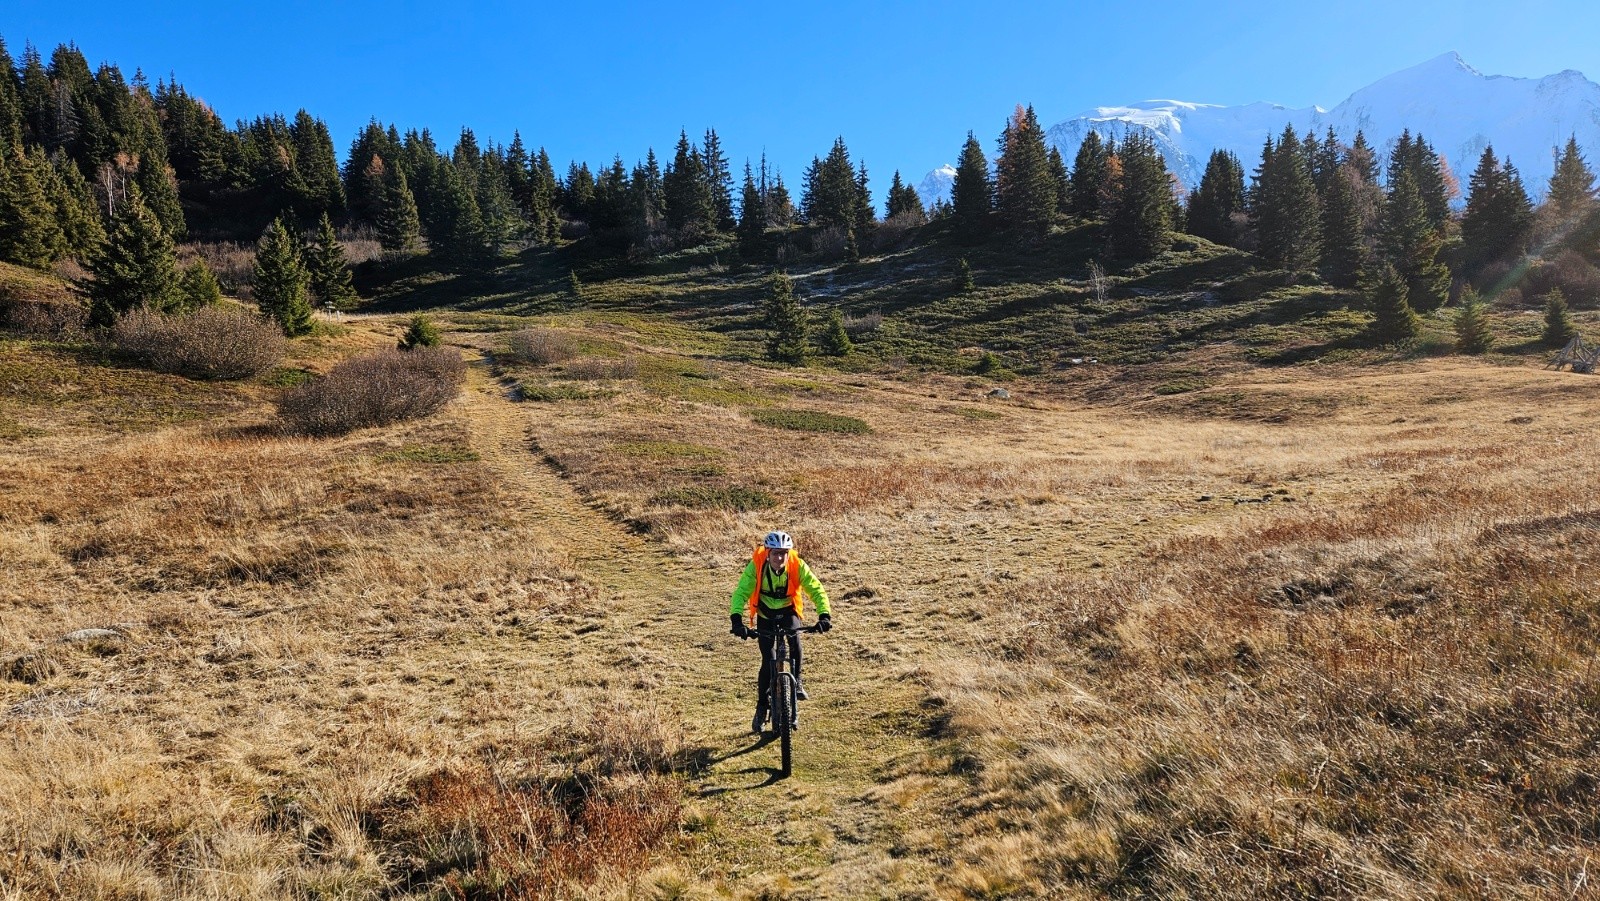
<point x="1092" y="641"/>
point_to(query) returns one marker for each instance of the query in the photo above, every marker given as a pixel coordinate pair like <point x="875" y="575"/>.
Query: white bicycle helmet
<point x="778" y="541"/>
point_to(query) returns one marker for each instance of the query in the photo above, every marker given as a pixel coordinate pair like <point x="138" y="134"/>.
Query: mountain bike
<point x="780" y="692"/>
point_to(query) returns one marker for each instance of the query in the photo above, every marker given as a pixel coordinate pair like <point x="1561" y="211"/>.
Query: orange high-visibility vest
<point x="795" y="598"/>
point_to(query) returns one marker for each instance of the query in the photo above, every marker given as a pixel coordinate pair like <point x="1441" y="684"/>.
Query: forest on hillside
<point x="109" y="175"/>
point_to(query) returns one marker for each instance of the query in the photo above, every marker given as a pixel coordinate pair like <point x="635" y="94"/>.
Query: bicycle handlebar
<point x="752" y="633"/>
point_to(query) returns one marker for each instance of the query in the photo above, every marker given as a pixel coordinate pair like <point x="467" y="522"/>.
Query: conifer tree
<point x="903" y="203"/>
<point x="198" y="286"/>
<point x="1499" y="216"/>
<point x="1091" y="173"/>
<point x="79" y="213"/>
<point x="457" y="231"/>
<point x="719" y="181"/>
<point x="835" y="340"/>
<point x="787" y="323"/>
<point x="159" y="185"/>
<point x="1558" y="326"/>
<point x="1140" y="225"/>
<point x="1062" y="181"/>
<point x="1218" y="199"/>
<point x="1572" y="191"/>
<point x="30" y="230"/>
<point x="862" y="220"/>
<point x="136" y="267"/>
<point x="1394" y="321"/>
<point x="317" y="168"/>
<point x="1284" y="208"/>
<point x="686" y="192"/>
<point x="10" y="105"/>
<point x="574" y="285"/>
<point x="327" y="269"/>
<point x="280" y="280"/>
<point x="1344" y="242"/>
<point x="971" y="195"/>
<point x="1411" y="245"/>
<point x="964" y="280"/>
<point x="577" y="194"/>
<point x="399" y="227"/>
<point x="420" y="332"/>
<point x="1471" y="324"/>
<point x="1025" y="191"/>
<point x="752" y="214"/>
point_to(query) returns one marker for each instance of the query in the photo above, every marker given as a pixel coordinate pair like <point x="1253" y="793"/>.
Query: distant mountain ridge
<point x="1458" y="109"/>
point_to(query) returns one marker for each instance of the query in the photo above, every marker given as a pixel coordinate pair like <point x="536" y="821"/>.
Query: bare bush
<point x="830" y="242"/>
<point x="542" y="346"/>
<point x="233" y="263"/>
<point x="893" y="231"/>
<point x="42" y="318"/>
<point x="1574" y="275"/>
<point x="210" y="343"/>
<point x="860" y="325"/>
<point x="597" y="369"/>
<point x="377" y="389"/>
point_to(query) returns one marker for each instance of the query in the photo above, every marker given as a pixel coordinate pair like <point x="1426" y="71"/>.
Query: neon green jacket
<point x="774" y="588"/>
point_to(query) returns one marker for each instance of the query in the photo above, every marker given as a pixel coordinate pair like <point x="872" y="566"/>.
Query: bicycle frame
<point x="780" y="692"/>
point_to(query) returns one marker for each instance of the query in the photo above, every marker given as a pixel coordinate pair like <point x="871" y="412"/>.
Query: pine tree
<point x="690" y="208"/>
<point x="862" y="220"/>
<point x="30" y="230"/>
<point x="421" y="332"/>
<point x="719" y="181"/>
<point x="1140" y="225"/>
<point x="280" y="280"/>
<point x="1411" y="245"/>
<point x="574" y="286"/>
<point x="1572" y="191"/>
<point x="327" y="269"/>
<point x="1024" y="188"/>
<point x="1394" y="321"/>
<point x="317" y="167"/>
<point x="1471" y="324"/>
<point x="1558" y="326"/>
<point x="10" y="106"/>
<point x="399" y="226"/>
<point x="1344" y="242"/>
<point x="1062" y="181"/>
<point x="964" y="282"/>
<point x="1091" y="172"/>
<point x="1284" y="208"/>
<point x="136" y="267"/>
<point x="198" y="286"/>
<point x="903" y="204"/>
<point x="458" y="232"/>
<point x="1499" y="216"/>
<point x="79" y="213"/>
<point x="835" y="340"/>
<point x="787" y="323"/>
<point x="1218" y="199"/>
<point x="971" y="196"/>
<point x="752" y="214"/>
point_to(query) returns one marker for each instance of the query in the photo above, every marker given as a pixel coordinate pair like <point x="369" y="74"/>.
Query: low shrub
<point x="377" y="389"/>
<point x="542" y="346"/>
<point x="598" y="369"/>
<point x="701" y="497"/>
<point x="810" y="421"/>
<point x="210" y="343"/>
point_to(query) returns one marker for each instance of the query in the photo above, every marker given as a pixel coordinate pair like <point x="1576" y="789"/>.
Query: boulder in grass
<point x="999" y="394"/>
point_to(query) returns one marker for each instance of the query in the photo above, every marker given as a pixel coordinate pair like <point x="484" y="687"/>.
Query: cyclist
<point x="771" y="588"/>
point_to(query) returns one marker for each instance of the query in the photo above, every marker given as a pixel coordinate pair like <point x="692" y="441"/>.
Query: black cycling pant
<point x="767" y="633"/>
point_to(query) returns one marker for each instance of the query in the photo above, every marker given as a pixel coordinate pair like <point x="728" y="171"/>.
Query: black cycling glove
<point x="739" y="628"/>
<point x="824" y="622"/>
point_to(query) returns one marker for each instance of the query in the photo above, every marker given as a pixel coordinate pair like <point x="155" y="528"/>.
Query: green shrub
<point x="810" y="421"/>
<point x="421" y="333"/>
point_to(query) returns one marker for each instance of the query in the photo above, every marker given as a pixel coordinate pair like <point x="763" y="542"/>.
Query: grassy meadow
<point x="1242" y="608"/>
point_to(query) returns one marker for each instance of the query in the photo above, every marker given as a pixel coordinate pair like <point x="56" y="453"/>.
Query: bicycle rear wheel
<point x="784" y="718"/>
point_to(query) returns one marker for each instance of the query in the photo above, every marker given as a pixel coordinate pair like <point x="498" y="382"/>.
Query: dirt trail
<point x="824" y="831"/>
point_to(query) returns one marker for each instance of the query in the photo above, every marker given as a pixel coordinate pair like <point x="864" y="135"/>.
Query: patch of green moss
<point x="810" y="421"/>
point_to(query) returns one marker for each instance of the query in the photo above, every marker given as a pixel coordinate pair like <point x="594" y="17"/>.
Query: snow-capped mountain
<point x="1458" y="109"/>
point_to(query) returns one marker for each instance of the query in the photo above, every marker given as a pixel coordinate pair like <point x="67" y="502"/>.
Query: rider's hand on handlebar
<point x="824" y="622"/>
<point x="739" y="629"/>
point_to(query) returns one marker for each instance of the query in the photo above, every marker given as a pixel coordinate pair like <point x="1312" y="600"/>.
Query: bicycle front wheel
<point x="784" y="715"/>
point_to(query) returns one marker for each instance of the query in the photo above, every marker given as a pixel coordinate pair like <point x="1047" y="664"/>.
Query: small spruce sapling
<point x="198" y="286"/>
<point x="964" y="275"/>
<point x="1471" y="323"/>
<point x="835" y="340"/>
<point x="787" y="322"/>
<point x="1558" y="326"/>
<point x="420" y="333"/>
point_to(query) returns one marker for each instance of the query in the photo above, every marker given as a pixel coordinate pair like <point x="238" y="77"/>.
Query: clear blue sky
<point x="902" y="82"/>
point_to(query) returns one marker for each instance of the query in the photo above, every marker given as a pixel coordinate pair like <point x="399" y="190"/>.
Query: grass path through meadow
<point x="831" y="830"/>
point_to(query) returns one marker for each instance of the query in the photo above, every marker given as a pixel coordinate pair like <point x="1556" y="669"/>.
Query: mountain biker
<point x="771" y="587"/>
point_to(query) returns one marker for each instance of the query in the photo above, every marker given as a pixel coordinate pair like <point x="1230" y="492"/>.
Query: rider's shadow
<point x="774" y="775"/>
